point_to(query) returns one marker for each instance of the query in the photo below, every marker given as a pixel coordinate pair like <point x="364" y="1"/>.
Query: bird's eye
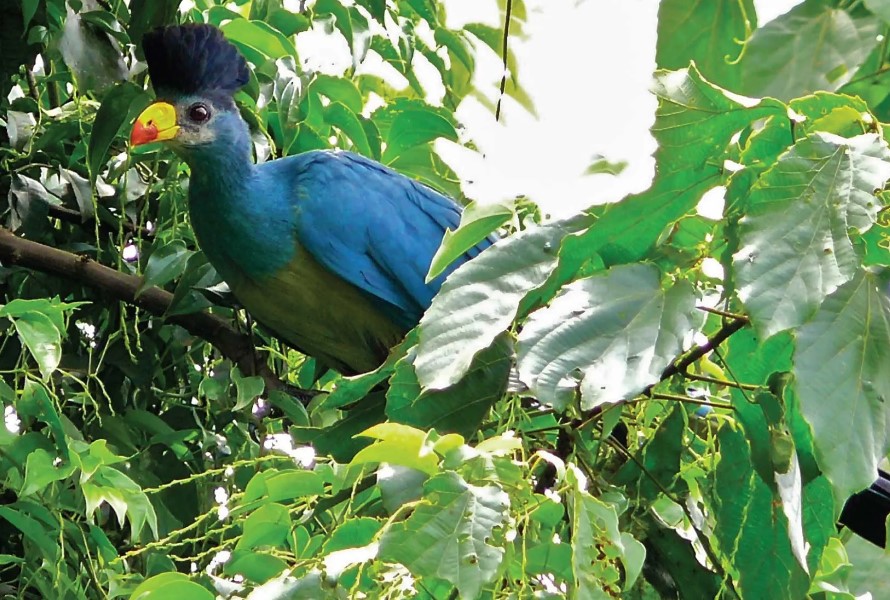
<point x="199" y="112"/>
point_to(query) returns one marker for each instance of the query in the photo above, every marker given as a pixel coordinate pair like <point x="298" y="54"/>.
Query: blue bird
<point x="327" y="249"/>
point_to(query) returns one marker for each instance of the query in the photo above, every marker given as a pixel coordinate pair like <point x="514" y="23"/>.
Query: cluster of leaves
<point x="138" y="461"/>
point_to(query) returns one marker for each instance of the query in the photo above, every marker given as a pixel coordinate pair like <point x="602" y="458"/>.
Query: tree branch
<point x="232" y="344"/>
<point x="698" y="352"/>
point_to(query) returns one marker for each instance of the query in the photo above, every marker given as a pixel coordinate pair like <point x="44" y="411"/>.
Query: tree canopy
<point x="640" y="401"/>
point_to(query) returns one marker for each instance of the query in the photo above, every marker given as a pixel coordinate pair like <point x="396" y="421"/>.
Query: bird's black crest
<point x="193" y="58"/>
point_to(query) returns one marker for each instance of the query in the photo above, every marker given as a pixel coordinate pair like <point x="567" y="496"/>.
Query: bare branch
<point x="231" y="343"/>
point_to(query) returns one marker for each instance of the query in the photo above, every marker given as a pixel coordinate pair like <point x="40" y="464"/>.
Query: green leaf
<point x="256" y="566"/>
<point x="842" y="382"/>
<point x="603" y="166"/>
<point x="477" y="222"/>
<point x="814" y="46"/>
<point x="260" y="37"/>
<point x="595" y="535"/>
<point x="879" y="7"/>
<point x="457" y="45"/>
<point x="709" y="32"/>
<point x="287" y="22"/>
<point x="480" y="299"/>
<point x="400" y="445"/>
<point x="460" y="407"/>
<point x="167" y="262"/>
<point x="413" y="127"/>
<point x="247" y="389"/>
<point x="41" y="470"/>
<point x="170" y="585"/>
<point x="754" y="529"/>
<point x="124" y="496"/>
<point x="43" y="340"/>
<point x="694" y="126"/>
<point x="83" y="193"/>
<point x="273" y="485"/>
<point x="338" y="89"/>
<point x="618" y="329"/>
<point x="267" y="526"/>
<point x="658" y="467"/>
<point x="355" y="533"/>
<point x="33" y="531"/>
<point x="345" y="120"/>
<point x="36" y="403"/>
<point x="795" y="241"/>
<point x="29" y="9"/>
<point x="450" y="533"/>
<point x="117" y="110"/>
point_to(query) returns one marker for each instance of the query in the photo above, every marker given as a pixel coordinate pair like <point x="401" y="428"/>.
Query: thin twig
<point x="722" y="313"/>
<point x="696" y="353"/>
<point x="687" y="399"/>
<point x="69" y="215"/>
<point x="726" y="382"/>
<point x="505" y="47"/>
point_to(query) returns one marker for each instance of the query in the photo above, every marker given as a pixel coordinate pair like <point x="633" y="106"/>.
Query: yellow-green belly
<point x="320" y="314"/>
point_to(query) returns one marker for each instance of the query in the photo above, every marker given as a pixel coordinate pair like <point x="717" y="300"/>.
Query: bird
<point x="328" y="250"/>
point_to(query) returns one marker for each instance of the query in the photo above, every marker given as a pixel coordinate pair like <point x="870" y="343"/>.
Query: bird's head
<point x="195" y="71"/>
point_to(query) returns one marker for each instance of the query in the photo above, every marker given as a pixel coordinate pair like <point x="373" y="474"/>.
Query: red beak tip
<point x="142" y="134"/>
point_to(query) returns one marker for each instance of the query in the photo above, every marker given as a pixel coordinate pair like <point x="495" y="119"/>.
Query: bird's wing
<point x="375" y="228"/>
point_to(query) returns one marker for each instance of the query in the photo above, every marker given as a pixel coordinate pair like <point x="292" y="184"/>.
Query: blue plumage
<point x="328" y="249"/>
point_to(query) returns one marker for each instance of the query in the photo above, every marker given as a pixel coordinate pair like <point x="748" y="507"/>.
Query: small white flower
<point x="221" y="558"/>
<point x="283" y="442"/>
<point x="221" y="495"/>
<point x="130" y="253"/>
<point x="11" y="419"/>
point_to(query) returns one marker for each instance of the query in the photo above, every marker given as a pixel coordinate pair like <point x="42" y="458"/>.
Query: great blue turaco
<point x="328" y="250"/>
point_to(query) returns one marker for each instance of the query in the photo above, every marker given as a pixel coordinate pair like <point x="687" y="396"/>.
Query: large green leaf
<point x="415" y="126"/>
<point x="618" y="330"/>
<point x="479" y="301"/>
<point x="460" y="407"/>
<point x="449" y="534"/>
<point x="752" y="528"/>
<point x="117" y="110"/>
<point x="795" y="241"/>
<point x="694" y="126"/>
<point x="814" y="46"/>
<point x="42" y="339"/>
<point x="842" y="381"/>
<point x="260" y="37"/>
<point x="709" y="32"/>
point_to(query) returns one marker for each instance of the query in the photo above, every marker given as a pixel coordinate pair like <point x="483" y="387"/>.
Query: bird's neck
<point x="219" y="188"/>
<point x="234" y="212"/>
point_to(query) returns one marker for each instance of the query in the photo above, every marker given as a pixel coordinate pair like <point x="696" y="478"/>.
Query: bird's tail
<point x="866" y="512"/>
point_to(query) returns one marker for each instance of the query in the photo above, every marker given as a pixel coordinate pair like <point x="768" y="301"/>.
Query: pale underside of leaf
<point x="843" y="383"/>
<point x="616" y="332"/>
<point x="795" y="241"/>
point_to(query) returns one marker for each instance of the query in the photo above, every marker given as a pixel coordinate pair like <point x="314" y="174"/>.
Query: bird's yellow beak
<point x="156" y="124"/>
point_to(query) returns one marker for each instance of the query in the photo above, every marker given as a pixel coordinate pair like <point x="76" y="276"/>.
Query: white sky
<point x="587" y="65"/>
